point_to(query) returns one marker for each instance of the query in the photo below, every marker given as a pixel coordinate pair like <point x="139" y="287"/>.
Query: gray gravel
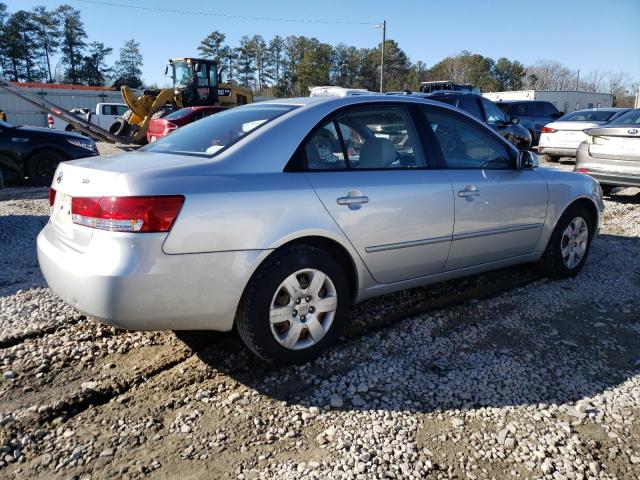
<point x="538" y="381"/>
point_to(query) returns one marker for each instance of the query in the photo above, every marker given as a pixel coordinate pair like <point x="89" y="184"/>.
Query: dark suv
<point x="486" y="111"/>
<point x="35" y="152"/>
<point x="533" y="114"/>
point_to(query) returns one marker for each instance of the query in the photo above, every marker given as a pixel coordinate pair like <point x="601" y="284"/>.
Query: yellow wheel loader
<point x="195" y="83"/>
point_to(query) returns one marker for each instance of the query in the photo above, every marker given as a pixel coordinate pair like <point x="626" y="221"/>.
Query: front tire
<point x="294" y="306"/>
<point x="569" y="244"/>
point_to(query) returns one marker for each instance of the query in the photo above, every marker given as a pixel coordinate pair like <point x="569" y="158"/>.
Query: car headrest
<point x="376" y="153"/>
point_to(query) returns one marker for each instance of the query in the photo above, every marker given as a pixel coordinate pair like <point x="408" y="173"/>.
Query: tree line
<point x="31" y="40"/>
<point x="279" y="66"/>
<point x="288" y="66"/>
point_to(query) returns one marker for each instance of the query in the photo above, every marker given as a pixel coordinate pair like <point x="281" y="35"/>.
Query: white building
<point x="565" y="101"/>
<point x="67" y="97"/>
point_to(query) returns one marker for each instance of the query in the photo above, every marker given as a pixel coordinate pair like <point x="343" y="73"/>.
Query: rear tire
<point x="608" y="189"/>
<point x="551" y="158"/>
<point x="276" y="321"/>
<point x="42" y="165"/>
<point x="569" y="244"/>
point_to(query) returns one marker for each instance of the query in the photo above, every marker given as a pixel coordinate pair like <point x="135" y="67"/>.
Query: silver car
<point x="611" y="153"/>
<point x="275" y="217"/>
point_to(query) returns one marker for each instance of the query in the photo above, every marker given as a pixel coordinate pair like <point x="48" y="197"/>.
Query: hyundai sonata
<point x="274" y="217"/>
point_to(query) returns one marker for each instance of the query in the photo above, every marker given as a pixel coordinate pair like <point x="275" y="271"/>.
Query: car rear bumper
<point x="125" y="280"/>
<point x="622" y="171"/>
<point x="558" y="151"/>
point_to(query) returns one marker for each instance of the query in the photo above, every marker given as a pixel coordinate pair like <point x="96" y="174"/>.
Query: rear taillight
<point x="547" y="130"/>
<point x="52" y="196"/>
<point x="169" y="127"/>
<point x="582" y="170"/>
<point x="50" y="120"/>
<point x="127" y="214"/>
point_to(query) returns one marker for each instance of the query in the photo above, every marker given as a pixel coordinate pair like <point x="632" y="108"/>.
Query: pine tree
<point x="211" y="46"/>
<point x="228" y="57"/>
<point x="260" y="54"/>
<point x="246" y="62"/>
<point x="275" y="55"/>
<point x="94" y="70"/>
<point x="128" y="69"/>
<point x="47" y="34"/>
<point x="73" y="41"/>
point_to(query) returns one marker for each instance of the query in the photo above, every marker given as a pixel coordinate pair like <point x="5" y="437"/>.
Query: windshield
<point x="218" y="131"/>
<point x="181" y="74"/>
<point x="629" y="118"/>
<point x="588" y="116"/>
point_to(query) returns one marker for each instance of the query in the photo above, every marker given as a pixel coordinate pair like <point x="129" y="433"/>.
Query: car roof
<point x="309" y="102"/>
<point x="602" y="109"/>
<point x="524" y="101"/>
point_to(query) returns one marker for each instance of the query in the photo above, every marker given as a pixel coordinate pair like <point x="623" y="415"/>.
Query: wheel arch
<point x="39" y="149"/>
<point x="331" y="246"/>
<point x="589" y="205"/>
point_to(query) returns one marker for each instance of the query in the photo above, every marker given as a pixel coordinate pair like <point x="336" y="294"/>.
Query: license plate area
<point x="61" y="214"/>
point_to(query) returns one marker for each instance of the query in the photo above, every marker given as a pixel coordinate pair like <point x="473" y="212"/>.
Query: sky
<point x="588" y="35"/>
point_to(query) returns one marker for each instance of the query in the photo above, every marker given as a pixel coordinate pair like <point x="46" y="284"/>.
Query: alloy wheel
<point x="303" y="309"/>
<point x="573" y="243"/>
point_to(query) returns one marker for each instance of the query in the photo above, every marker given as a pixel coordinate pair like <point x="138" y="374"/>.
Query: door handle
<point x="469" y="191"/>
<point x="353" y="200"/>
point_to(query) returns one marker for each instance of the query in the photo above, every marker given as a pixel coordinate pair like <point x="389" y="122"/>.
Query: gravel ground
<point x="502" y="375"/>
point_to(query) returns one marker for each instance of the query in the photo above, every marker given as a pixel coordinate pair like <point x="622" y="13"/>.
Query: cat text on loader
<point x="195" y="83"/>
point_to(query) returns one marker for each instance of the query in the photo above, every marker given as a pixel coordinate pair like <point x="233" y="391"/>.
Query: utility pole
<point x="383" y="26"/>
<point x="578" y="81"/>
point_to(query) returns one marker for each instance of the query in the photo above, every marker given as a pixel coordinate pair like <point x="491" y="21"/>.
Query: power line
<point x="225" y="15"/>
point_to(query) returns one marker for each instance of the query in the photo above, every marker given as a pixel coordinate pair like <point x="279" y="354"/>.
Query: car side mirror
<point x="527" y="160"/>
<point x="514" y="120"/>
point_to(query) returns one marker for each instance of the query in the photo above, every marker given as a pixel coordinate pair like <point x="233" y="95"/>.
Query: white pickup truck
<point x="103" y="116"/>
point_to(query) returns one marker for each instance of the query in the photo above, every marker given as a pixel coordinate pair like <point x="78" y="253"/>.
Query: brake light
<point x="582" y="170"/>
<point x="127" y="214"/>
<point x="52" y="196"/>
<point x="50" y="120"/>
<point x="170" y="126"/>
<point x="547" y="130"/>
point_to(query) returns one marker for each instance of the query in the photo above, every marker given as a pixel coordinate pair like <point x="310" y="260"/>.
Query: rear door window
<point x="323" y="150"/>
<point x="369" y="138"/>
<point x="470" y="105"/>
<point x="493" y="113"/>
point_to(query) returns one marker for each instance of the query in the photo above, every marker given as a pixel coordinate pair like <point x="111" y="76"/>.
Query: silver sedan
<point x="611" y="153"/>
<point x="275" y="217"/>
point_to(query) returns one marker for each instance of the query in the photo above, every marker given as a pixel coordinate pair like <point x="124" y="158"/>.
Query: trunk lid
<point x="617" y="143"/>
<point x="567" y="134"/>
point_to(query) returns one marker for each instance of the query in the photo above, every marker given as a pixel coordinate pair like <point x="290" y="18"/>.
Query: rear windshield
<point x="629" y="118"/>
<point x="216" y="132"/>
<point x="588" y="116"/>
<point x="178" y="114"/>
